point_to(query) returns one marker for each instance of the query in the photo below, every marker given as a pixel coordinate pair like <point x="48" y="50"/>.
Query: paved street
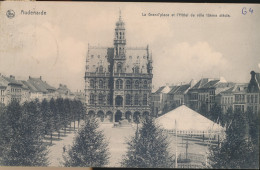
<point x="117" y="138"/>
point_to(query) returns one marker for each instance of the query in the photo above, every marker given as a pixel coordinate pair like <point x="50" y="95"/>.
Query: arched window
<point x="136" y="69"/>
<point x="119" y="67"/>
<point x="92" y="98"/>
<point x="119" y="101"/>
<point x="100" y="99"/>
<point x="136" y="84"/>
<point x="136" y="99"/>
<point x="128" y="84"/>
<point x="145" y="99"/>
<point x="100" y="69"/>
<point x="101" y="84"/>
<point x="145" y="84"/>
<point x="92" y="84"/>
<point x="108" y="99"/>
<point x="128" y="99"/>
<point x="119" y="84"/>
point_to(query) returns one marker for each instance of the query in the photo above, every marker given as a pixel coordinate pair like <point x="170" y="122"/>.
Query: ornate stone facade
<point x="118" y="80"/>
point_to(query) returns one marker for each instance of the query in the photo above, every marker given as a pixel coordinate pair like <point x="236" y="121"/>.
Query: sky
<point x="54" y="46"/>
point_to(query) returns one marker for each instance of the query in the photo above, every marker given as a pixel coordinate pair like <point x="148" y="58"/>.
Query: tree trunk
<point x="74" y="124"/>
<point x="64" y="129"/>
<point x="58" y="134"/>
<point x="78" y="122"/>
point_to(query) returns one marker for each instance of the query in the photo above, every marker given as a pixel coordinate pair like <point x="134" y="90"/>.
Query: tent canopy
<point x="187" y="120"/>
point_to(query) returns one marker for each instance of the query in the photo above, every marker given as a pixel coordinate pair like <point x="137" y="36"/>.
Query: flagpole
<point x="176" y="163"/>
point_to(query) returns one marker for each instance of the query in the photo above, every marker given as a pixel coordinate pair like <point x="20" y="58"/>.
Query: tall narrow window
<point x="136" y="70"/>
<point x="145" y="99"/>
<point x="119" y="84"/>
<point x="128" y="99"/>
<point x="100" y="99"/>
<point x="145" y="84"/>
<point x="92" y="98"/>
<point x="136" y="99"/>
<point x="128" y="84"/>
<point x="100" y="69"/>
<point x="136" y="84"/>
<point x="119" y="67"/>
<point x="108" y="99"/>
<point x="101" y="84"/>
<point x="92" y="84"/>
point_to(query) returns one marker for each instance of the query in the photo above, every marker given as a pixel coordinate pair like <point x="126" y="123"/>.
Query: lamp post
<point x="176" y="153"/>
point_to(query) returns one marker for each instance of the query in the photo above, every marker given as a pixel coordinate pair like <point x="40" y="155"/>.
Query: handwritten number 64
<point x="244" y="11"/>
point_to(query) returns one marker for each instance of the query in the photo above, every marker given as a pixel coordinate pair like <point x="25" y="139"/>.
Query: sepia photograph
<point x="129" y="85"/>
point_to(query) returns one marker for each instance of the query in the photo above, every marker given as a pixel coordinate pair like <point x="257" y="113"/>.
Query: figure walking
<point x="64" y="149"/>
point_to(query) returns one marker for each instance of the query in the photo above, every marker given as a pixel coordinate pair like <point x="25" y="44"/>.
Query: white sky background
<point x="55" y="46"/>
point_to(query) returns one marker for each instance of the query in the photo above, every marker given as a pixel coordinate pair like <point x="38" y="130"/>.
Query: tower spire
<point x="120" y="15"/>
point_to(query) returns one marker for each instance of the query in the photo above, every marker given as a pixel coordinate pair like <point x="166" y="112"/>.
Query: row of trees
<point x="24" y="126"/>
<point x="149" y="147"/>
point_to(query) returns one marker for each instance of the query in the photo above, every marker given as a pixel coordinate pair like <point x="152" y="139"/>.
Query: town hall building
<point x="118" y="80"/>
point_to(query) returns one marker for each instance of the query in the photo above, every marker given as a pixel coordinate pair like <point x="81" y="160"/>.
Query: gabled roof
<point x="182" y="89"/>
<point x="30" y="86"/>
<point x="210" y="84"/>
<point x="201" y="83"/>
<point x="230" y="90"/>
<point x="12" y="81"/>
<point x="159" y="90"/>
<point x="239" y="87"/>
<point x="173" y="90"/>
<point x="2" y="85"/>
<point x="24" y="86"/>
<point x="39" y="85"/>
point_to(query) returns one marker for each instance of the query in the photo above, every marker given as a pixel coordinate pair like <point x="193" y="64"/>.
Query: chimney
<point x="40" y="77"/>
<point x="29" y="77"/>
<point x="12" y="77"/>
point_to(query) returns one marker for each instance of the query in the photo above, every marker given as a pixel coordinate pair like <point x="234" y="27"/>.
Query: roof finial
<point x="119" y="14"/>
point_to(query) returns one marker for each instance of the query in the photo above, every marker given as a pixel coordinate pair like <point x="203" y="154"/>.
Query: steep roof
<point x="210" y="84"/>
<point x="230" y="90"/>
<point x="257" y="75"/>
<point x="39" y="85"/>
<point x="173" y="89"/>
<point x="12" y="81"/>
<point x="201" y="83"/>
<point x="182" y="89"/>
<point x="187" y="120"/>
<point x="159" y="90"/>
<point x="30" y="86"/>
<point x="24" y="86"/>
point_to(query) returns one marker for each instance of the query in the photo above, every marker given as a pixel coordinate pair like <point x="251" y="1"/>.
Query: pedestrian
<point x="64" y="149"/>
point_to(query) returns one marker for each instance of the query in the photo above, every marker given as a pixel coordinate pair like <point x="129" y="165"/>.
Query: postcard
<point x="127" y="84"/>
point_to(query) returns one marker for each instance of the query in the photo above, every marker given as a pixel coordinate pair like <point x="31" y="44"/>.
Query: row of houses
<point x="31" y="89"/>
<point x="207" y="92"/>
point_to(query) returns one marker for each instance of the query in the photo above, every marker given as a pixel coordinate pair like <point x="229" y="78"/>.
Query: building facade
<point x="10" y="89"/>
<point x="118" y="80"/>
